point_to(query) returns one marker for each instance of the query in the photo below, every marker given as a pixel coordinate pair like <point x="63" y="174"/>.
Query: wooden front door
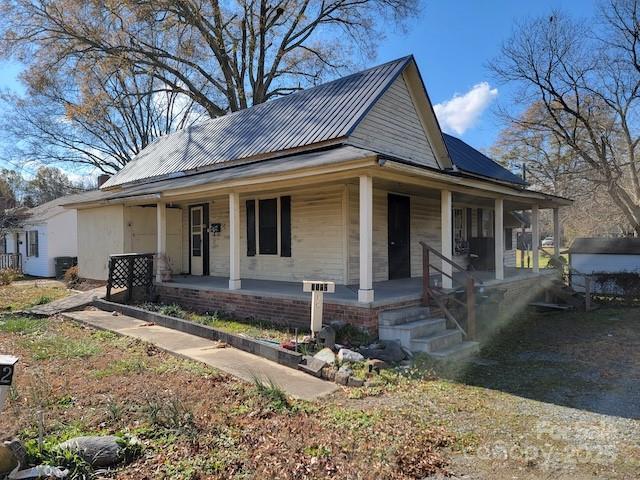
<point x="399" y="226"/>
<point x="198" y="240"/>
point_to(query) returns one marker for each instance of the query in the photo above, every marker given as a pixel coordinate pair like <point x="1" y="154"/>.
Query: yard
<point x="528" y="258"/>
<point x="509" y="415"/>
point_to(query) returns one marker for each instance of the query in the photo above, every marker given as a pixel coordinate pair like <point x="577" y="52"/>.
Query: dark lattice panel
<point x="130" y="271"/>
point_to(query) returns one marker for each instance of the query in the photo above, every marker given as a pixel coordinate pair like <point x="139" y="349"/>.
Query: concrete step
<point x="404" y="315"/>
<point x="436" y="341"/>
<point x="458" y="352"/>
<point x="405" y="332"/>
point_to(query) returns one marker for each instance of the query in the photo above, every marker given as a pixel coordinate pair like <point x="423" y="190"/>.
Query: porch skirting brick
<point x="282" y="311"/>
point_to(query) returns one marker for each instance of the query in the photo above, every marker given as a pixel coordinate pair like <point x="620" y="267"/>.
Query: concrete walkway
<point x="235" y="362"/>
<point x="72" y="302"/>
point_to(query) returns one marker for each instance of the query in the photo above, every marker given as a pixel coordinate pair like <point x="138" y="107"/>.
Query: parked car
<point x="547" y="242"/>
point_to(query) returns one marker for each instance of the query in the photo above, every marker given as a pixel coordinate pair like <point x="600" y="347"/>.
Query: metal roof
<point x="320" y="114"/>
<point x="470" y="160"/>
<point x="317" y="158"/>
<point x="606" y="246"/>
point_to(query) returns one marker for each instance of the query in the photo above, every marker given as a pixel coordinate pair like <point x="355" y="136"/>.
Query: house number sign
<point x="7" y="368"/>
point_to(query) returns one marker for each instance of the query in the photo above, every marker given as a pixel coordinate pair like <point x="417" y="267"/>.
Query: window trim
<point x="30" y="235"/>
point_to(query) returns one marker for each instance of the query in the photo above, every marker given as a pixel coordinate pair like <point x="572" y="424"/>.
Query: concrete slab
<point x="240" y="364"/>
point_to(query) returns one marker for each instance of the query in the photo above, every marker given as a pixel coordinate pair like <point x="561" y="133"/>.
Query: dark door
<point x="399" y="235"/>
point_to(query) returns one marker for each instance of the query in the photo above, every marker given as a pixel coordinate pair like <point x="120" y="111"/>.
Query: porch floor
<point x="389" y="291"/>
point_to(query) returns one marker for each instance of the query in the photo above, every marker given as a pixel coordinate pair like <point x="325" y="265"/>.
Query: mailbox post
<point x="317" y="289"/>
<point x="7" y="367"/>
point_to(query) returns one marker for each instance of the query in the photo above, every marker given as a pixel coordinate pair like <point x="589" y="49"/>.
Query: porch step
<point x="437" y="341"/>
<point x="404" y="315"/>
<point x="458" y="352"/>
<point x="405" y="332"/>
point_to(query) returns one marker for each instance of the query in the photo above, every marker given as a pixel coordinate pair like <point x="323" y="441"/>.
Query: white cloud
<point x="461" y="112"/>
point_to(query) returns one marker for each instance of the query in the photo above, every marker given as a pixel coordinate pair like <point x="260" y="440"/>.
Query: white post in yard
<point x="365" y="293"/>
<point x="499" y="238"/>
<point x="317" y="289"/>
<point x="234" y="241"/>
<point x="535" y="238"/>
<point x="7" y="367"/>
<point x="556" y="232"/>
<point x="161" y="254"/>
<point x="446" y="231"/>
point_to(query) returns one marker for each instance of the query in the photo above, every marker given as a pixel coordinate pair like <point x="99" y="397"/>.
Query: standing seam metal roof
<point x="470" y="160"/>
<point x="326" y="112"/>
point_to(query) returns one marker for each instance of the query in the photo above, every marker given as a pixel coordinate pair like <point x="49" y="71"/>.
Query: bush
<point x="71" y="278"/>
<point x="8" y="275"/>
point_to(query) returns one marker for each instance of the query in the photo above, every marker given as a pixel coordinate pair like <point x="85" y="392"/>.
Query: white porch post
<point x="234" y="241"/>
<point x="446" y="231"/>
<point x="556" y="232"/>
<point x="161" y="220"/>
<point x="365" y="293"/>
<point x="499" y="238"/>
<point x="535" y="238"/>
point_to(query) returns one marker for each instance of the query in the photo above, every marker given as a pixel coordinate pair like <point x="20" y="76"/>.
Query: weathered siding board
<point x="425" y="226"/>
<point x="510" y="255"/>
<point x="394" y="127"/>
<point x="100" y="233"/>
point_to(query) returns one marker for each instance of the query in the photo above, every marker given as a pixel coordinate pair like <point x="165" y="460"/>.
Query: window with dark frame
<point x="32" y="237"/>
<point x="508" y="238"/>
<point x="268" y="226"/>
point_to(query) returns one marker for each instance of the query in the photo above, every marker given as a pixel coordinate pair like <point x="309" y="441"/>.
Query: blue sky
<point x="452" y="42"/>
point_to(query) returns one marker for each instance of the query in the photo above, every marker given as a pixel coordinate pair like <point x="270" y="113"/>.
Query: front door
<point x="399" y="236"/>
<point x="196" y="243"/>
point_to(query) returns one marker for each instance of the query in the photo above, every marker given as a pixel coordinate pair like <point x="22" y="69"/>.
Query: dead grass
<point x="196" y="422"/>
<point x="21" y="296"/>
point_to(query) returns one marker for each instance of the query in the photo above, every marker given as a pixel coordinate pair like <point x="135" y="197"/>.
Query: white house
<point x="48" y="232"/>
<point x="351" y="181"/>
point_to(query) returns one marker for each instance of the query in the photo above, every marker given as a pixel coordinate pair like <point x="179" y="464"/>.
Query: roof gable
<point x="318" y="116"/>
<point x="393" y="127"/>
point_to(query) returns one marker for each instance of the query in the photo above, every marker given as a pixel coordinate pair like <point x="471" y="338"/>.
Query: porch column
<point x="365" y="294"/>
<point x="161" y="220"/>
<point x="535" y="238"/>
<point x="499" y="238"/>
<point x="446" y="218"/>
<point x="234" y="241"/>
<point x="556" y="232"/>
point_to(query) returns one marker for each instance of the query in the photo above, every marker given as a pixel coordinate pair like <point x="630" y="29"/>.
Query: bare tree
<point x="94" y="117"/>
<point x="225" y="56"/>
<point x="586" y="81"/>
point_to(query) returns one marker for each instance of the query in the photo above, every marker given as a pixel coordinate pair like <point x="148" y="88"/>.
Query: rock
<point x="8" y="460"/>
<point x="391" y="352"/>
<point x="326" y="355"/>
<point x="98" y="451"/>
<point x="114" y="313"/>
<point x="346" y="355"/>
<point x="312" y="365"/>
<point x="355" y="382"/>
<point x="343" y="374"/>
<point x="328" y="372"/>
<point x="18" y="450"/>
<point x="375" y="365"/>
<point x="327" y="337"/>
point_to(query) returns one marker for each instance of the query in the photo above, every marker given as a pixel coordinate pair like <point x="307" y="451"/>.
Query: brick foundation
<point x="283" y="311"/>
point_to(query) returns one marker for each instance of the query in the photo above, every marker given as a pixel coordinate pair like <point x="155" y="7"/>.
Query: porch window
<point x="460" y="244"/>
<point x="268" y="226"/>
<point x="32" y="243"/>
<point x="508" y="238"/>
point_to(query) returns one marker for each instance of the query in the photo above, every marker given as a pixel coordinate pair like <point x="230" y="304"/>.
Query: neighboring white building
<point x="605" y="255"/>
<point x="50" y="231"/>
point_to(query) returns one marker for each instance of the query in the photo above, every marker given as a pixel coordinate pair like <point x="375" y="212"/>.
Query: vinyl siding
<point x="100" y="233"/>
<point x="425" y="226"/>
<point x="393" y="127"/>
<point x="317" y="246"/>
<point x="39" y="266"/>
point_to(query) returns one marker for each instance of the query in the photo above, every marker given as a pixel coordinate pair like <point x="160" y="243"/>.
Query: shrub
<point x="8" y="275"/>
<point x="71" y="278"/>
